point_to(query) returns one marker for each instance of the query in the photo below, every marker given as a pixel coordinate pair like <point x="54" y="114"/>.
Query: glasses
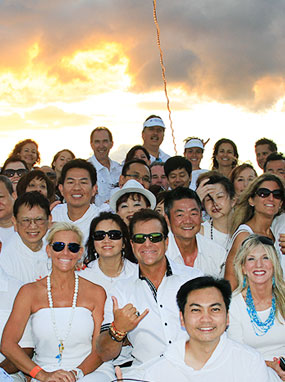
<point x="25" y="222"/>
<point x="113" y="234"/>
<point x="138" y="177"/>
<point x="11" y="173"/>
<point x="59" y="246"/>
<point x="263" y="240"/>
<point x="140" y="238"/>
<point x="264" y="193"/>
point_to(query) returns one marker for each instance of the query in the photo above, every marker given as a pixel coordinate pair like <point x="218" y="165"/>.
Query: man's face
<point x="179" y="178"/>
<point x="149" y="253"/>
<point x="262" y="152"/>
<point x="153" y="136"/>
<point x="77" y="189"/>
<point x="101" y="144"/>
<point x="6" y="204"/>
<point x="139" y="172"/>
<point x="32" y="225"/>
<point x="185" y="218"/>
<point x="205" y="317"/>
<point x="276" y="167"/>
<point x="158" y="176"/>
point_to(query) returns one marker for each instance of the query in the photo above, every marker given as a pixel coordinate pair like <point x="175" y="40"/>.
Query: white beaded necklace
<point x="62" y="339"/>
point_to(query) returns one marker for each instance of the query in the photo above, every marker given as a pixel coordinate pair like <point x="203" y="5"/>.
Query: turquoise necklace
<point x="260" y="327"/>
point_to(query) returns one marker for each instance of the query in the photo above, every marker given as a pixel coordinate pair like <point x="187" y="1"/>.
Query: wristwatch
<point x="78" y="373"/>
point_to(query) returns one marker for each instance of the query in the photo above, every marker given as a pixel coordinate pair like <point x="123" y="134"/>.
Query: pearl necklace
<point x="61" y="339"/>
<point x="212" y="226"/>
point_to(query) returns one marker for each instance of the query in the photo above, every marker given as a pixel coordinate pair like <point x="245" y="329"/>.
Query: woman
<point x="138" y="152"/>
<point x="225" y="156"/>
<point x="59" y="161"/>
<point x="14" y="168"/>
<point x="254" y="213"/>
<point x="36" y="181"/>
<point x="66" y="312"/>
<point x="241" y="176"/>
<point x="28" y="151"/>
<point x="257" y="311"/>
<point x="130" y="198"/>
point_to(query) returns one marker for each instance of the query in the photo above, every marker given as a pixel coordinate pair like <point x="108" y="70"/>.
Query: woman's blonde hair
<point x="250" y="243"/>
<point x="64" y="226"/>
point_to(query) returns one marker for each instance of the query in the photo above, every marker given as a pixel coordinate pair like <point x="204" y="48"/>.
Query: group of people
<point x="152" y="270"/>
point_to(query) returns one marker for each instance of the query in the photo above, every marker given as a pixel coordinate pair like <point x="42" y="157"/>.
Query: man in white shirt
<point x="152" y="135"/>
<point x="186" y="246"/>
<point x="143" y="308"/>
<point x="7" y="199"/>
<point x="207" y="354"/>
<point x="108" y="171"/>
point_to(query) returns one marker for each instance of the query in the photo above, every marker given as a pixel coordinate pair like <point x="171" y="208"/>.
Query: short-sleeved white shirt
<point x="161" y="156"/>
<point x="6" y="234"/>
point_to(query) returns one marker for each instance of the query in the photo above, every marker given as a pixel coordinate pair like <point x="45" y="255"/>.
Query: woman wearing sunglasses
<point x="66" y="312"/>
<point x="254" y="212"/>
<point x="257" y="311"/>
<point x="14" y="168"/>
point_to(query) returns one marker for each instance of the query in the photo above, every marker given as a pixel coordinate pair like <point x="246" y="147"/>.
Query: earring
<point x="244" y="281"/>
<point x="123" y="253"/>
<point x="273" y="282"/>
<point x="49" y="264"/>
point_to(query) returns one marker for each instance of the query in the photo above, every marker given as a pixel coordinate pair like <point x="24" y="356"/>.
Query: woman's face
<point x="225" y="155"/>
<point x="258" y="267"/>
<point x="127" y="209"/>
<point x="194" y="155"/>
<point x="29" y="154"/>
<point x="139" y="154"/>
<point x="17" y="175"/>
<point x="108" y="248"/>
<point x="39" y="185"/>
<point x="218" y="203"/>
<point x="266" y="205"/>
<point x="242" y="181"/>
<point x="63" y="158"/>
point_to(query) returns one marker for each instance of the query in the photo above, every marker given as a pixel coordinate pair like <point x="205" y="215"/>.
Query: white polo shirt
<point x="161" y="325"/>
<point x="210" y="259"/>
<point x="161" y="156"/>
<point x="6" y="234"/>
<point x="106" y="179"/>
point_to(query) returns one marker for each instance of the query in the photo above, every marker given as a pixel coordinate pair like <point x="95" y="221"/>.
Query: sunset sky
<point x="68" y="66"/>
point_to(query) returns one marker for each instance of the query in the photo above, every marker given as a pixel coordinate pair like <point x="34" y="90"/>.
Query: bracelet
<point x="35" y="371"/>
<point x="115" y="334"/>
<point x="78" y="373"/>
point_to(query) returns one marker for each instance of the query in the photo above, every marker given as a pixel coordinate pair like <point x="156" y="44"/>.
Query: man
<point x="207" y="354"/>
<point x="78" y="187"/>
<point x="264" y="147"/>
<point x="143" y="308"/>
<point x="7" y="199"/>
<point x="275" y="164"/>
<point x="158" y="175"/>
<point x="186" y="246"/>
<point x="138" y="170"/>
<point x="152" y="135"/>
<point x="108" y="171"/>
<point x="178" y="171"/>
<point x="24" y="256"/>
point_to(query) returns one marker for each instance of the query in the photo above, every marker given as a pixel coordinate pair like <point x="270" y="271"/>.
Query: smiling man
<point x="264" y="147"/>
<point x="153" y="135"/>
<point x="178" y="171"/>
<point x="207" y="355"/>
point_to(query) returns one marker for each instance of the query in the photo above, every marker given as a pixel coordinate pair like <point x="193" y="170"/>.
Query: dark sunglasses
<point x="51" y="175"/>
<point x="11" y="173"/>
<point x="58" y="246"/>
<point x="263" y="240"/>
<point x="140" y="238"/>
<point x="264" y="193"/>
<point x="113" y="234"/>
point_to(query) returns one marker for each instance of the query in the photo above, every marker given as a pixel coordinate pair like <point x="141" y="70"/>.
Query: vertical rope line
<point x="163" y="73"/>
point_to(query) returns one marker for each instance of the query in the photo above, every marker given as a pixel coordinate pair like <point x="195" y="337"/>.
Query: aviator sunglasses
<point x="264" y="193"/>
<point x="140" y="238"/>
<point x="113" y="234"/>
<point x="10" y="173"/>
<point x="58" y="246"/>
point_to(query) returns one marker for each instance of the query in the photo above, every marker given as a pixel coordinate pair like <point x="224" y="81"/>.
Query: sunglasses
<point x="11" y="173"/>
<point x="113" y="234"/>
<point x="263" y="240"/>
<point x="155" y="237"/>
<point x="58" y="246"/>
<point x="264" y="193"/>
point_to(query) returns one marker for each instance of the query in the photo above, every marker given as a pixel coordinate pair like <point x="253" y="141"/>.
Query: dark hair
<point x="156" y="189"/>
<point x="145" y="215"/>
<point x="31" y="199"/>
<point x="265" y="141"/>
<point x="177" y="162"/>
<point x="160" y="197"/>
<point x="131" y="153"/>
<point x="90" y="247"/>
<point x="223" y="180"/>
<point x="273" y="157"/>
<point x="237" y="170"/>
<point x="101" y="128"/>
<point x="178" y="194"/>
<point x="79" y="163"/>
<point x="215" y="164"/>
<point x="25" y="180"/>
<point x="127" y="165"/>
<point x="201" y="283"/>
<point x="8" y="184"/>
<point x="13" y="159"/>
<point x="135" y="196"/>
<point x="18" y="147"/>
<point x="58" y="154"/>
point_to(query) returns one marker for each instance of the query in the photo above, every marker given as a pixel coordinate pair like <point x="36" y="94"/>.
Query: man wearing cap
<point x="152" y="135"/>
<point x="193" y="151"/>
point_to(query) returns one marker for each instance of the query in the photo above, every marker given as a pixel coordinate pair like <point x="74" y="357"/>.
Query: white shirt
<point x="5" y="234"/>
<point x="20" y="262"/>
<point x="195" y="175"/>
<point x="230" y="362"/>
<point x="161" y="156"/>
<point x="106" y="179"/>
<point x="278" y="227"/>
<point x="223" y="239"/>
<point x="211" y="257"/>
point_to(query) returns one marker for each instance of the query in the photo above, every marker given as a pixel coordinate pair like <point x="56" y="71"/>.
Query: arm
<point x="276" y="367"/>
<point x="10" y="367"/>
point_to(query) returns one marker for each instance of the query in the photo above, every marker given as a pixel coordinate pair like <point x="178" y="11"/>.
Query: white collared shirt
<point x="161" y="156"/>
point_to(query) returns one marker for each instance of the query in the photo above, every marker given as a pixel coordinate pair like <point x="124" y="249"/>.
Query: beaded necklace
<point x="61" y="339"/>
<point x="260" y="327"/>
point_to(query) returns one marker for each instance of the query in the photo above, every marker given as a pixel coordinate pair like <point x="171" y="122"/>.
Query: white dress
<point x="223" y="239"/>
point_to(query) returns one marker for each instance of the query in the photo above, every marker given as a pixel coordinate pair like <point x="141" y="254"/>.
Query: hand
<point x="54" y="204"/>
<point x="56" y="376"/>
<point x="276" y="367"/>
<point x="282" y="243"/>
<point x="119" y="373"/>
<point x="126" y="319"/>
<point x="203" y="190"/>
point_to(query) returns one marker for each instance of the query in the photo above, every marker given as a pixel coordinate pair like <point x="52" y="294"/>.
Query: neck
<point x="261" y="292"/>
<point x="112" y="266"/>
<point x="75" y="213"/>
<point x="6" y="223"/>
<point x="261" y="224"/>
<point x="34" y="247"/>
<point x="188" y="249"/>
<point x="197" y="354"/>
<point x="62" y="280"/>
<point x="154" y="273"/>
<point x="104" y="162"/>
<point x="225" y="170"/>
<point x="154" y="151"/>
